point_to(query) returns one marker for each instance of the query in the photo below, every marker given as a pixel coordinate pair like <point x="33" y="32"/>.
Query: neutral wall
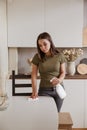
<point x="25" y="53"/>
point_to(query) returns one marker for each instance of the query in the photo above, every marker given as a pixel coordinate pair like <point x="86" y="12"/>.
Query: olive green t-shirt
<point x="49" y="68"/>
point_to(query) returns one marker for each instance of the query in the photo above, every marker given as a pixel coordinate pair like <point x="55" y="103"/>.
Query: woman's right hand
<point x="34" y="95"/>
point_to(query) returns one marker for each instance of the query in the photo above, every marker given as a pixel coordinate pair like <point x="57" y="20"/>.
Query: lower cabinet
<point x="85" y="104"/>
<point x="75" y="102"/>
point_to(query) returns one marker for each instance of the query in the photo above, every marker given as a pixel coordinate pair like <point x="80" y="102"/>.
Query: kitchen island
<point x="76" y="100"/>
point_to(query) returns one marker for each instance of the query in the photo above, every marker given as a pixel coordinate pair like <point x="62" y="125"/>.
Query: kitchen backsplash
<point x="27" y="53"/>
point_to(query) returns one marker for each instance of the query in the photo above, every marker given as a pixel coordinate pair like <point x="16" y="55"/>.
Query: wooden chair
<point x="19" y="85"/>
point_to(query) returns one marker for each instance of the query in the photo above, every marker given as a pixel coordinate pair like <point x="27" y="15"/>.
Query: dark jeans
<point x="51" y="92"/>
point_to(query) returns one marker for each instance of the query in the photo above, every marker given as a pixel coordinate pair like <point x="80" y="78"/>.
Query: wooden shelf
<point x="76" y="76"/>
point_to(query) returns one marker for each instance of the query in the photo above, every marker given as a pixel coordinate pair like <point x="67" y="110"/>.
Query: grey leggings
<point x="51" y="92"/>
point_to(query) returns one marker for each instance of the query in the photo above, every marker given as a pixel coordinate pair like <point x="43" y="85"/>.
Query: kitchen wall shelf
<point x="24" y="76"/>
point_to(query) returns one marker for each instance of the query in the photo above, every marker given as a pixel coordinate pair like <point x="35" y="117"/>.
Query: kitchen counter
<point x="75" y="76"/>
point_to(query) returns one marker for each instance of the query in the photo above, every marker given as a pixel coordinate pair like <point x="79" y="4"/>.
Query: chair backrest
<point x="20" y="85"/>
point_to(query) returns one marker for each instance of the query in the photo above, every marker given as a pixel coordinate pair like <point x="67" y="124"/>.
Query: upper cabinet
<point x="25" y="22"/>
<point x="63" y="19"/>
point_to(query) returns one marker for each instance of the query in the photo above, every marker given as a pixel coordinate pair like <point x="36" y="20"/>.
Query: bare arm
<point x="34" y="81"/>
<point x="62" y="75"/>
<point x="62" y="72"/>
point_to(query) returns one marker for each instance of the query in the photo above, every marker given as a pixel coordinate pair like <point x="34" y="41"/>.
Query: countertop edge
<point x="75" y="76"/>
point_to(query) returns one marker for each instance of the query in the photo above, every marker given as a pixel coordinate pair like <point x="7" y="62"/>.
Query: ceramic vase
<point x="71" y="69"/>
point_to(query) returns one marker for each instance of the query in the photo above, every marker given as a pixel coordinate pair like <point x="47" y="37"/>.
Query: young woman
<point x="50" y="63"/>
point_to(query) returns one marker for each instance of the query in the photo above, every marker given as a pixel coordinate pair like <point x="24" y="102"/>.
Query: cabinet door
<point x="74" y="101"/>
<point x="64" y="21"/>
<point x="25" y="22"/>
<point x="85" y="104"/>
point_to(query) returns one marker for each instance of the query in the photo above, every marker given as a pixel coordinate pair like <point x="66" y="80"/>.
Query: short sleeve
<point x="36" y="59"/>
<point x="62" y="58"/>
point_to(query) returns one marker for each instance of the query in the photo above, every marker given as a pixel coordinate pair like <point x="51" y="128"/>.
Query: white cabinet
<point x="85" y="104"/>
<point x="75" y="101"/>
<point x="25" y="22"/>
<point x="63" y="19"/>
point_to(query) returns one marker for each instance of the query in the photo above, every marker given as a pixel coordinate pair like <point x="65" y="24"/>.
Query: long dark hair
<point x="53" y="49"/>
